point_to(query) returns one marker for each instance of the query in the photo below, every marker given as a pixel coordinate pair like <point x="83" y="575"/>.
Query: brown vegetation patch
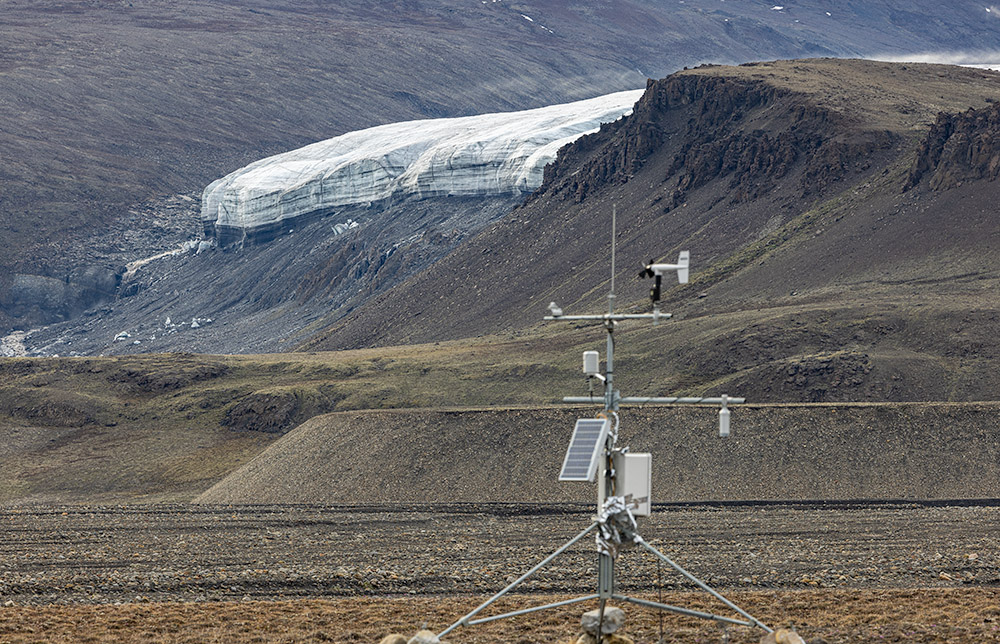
<point x="278" y="411"/>
<point x="168" y="373"/>
<point x="820" y="616"/>
<point x="54" y="408"/>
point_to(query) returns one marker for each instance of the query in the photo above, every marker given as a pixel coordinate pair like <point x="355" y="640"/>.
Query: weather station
<point x="623" y="478"/>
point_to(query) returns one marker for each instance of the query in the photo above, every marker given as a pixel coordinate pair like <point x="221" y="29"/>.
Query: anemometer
<point x="623" y="478"/>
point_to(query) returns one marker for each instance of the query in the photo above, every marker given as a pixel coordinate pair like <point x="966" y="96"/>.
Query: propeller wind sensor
<point x="656" y="271"/>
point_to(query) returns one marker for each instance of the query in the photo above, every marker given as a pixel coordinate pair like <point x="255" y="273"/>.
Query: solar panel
<point x="584" y="449"/>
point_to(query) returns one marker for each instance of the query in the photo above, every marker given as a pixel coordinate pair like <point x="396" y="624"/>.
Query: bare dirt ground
<point x="180" y="573"/>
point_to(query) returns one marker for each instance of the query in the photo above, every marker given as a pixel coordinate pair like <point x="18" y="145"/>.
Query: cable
<point x="659" y="589"/>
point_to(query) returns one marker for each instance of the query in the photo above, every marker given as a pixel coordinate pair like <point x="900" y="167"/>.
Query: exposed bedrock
<point x="484" y="155"/>
<point x="39" y="299"/>
<point x="747" y="132"/>
<point x="959" y="147"/>
<point x="264" y="297"/>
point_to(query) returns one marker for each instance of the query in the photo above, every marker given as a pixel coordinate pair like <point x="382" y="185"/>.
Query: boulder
<point x="782" y="636"/>
<point x="613" y="638"/>
<point x="394" y="638"/>
<point x="614" y="619"/>
<point x="424" y="637"/>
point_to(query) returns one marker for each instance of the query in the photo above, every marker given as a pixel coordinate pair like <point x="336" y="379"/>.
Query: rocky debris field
<point x="183" y="573"/>
<point x="198" y="553"/>
<point x="169" y="298"/>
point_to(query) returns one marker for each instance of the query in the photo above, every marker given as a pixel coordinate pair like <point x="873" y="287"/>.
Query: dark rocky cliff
<point x="713" y="129"/>
<point x="959" y="147"/>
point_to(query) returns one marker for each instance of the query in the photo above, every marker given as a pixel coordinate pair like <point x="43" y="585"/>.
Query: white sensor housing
<point x="682" y="267"/>
<point x="591" y="363"/>
<point x="724" y="418"/>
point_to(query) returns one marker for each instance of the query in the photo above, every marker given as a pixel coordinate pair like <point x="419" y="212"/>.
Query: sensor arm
<point x="665" y="400"/>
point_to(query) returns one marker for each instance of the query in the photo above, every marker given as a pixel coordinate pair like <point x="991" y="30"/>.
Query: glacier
<point x="486" y="154"/>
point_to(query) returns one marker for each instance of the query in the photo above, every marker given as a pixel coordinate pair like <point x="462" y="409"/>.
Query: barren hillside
<point x="826" y="452"/>
<point x="830" y="261"/>
<point x="115" y="113"/>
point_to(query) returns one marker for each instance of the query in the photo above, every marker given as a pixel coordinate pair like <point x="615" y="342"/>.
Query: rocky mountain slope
<point x="828" y="261"/>
<point x="253" y="297"/>
<point x="115" y="111"/>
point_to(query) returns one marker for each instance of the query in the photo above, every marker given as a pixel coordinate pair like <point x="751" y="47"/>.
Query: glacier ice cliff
<point x="488" y="154"/>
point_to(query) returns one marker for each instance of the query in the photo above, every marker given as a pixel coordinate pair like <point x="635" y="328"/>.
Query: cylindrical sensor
<point x="724" y="422"/>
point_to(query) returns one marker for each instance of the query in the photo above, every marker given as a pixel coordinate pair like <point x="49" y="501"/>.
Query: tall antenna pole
<point x="605" y="479"/>
<point x="614" y="221"/>
<point x="610" y="402"/>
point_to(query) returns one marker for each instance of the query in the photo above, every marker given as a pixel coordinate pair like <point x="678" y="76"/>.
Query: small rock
<point x="614" y="618"/>
<point x="424" y="637"/>
<point x="613" y="638"/>
<point x="394" y="638"/>
<point x="782" y="636"/>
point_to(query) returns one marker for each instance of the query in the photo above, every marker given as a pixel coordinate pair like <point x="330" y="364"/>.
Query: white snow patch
<point x="12" y="345"/>
<point x="528" y="18"/>
<point x="132" y="267"/>
<point x="777" y="7"/>
<point x="977" y="59"/>
<point x="340" y="229"/>
<point x="195" y="245"/>
<point x="489" y="154"/>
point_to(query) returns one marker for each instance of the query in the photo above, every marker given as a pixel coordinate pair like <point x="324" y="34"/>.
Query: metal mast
<point x="607" y="477"/>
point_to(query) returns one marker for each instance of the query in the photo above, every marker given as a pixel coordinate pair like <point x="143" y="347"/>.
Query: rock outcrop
<point x="40" y="299"/>
<point x="748" y="133"/>
<point x="959" y="147"/>
<point x="488" y="154"/>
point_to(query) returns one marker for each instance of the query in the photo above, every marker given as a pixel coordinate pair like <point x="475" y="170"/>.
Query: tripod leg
<point x="566" y="546"/>
<point x="600" y="619"/>
<point x="605" y="587"/>
<point x="753" y="620"/>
